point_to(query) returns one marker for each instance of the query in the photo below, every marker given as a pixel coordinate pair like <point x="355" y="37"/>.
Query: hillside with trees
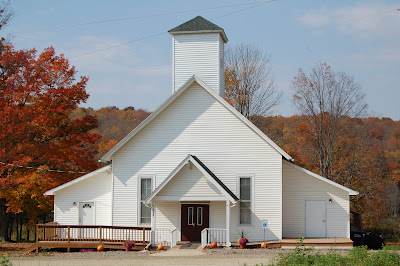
<point x="367" y="158"/>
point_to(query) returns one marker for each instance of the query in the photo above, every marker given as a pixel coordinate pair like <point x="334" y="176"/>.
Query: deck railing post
<point x="37" y="238"/>
<point x="144" y="236"/>
<point x="100" y="234"/>
<point x="69" y="238"/>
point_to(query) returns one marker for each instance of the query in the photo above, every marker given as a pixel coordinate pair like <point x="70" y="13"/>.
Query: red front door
<point x="194" y="218"/>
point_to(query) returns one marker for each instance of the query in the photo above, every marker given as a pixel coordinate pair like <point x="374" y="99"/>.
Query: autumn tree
<point x="249" y="85"/>
<point x="326" y="98"/>
<point x="37" y="96"/>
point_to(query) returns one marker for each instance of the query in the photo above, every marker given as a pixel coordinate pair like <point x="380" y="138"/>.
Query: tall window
<point x="145" y="191"/>
<point x="245" y="200"/>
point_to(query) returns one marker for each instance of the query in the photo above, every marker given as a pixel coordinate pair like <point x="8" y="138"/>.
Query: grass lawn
<point x="356" y="256"/>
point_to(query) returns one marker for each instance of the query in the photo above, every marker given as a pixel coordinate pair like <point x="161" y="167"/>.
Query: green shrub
<point x="5" y="261"/>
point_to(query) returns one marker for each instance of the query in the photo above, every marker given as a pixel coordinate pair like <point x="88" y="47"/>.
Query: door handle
<point x="194" y="224"/>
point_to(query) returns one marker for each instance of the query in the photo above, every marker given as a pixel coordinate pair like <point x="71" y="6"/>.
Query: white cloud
<point x="363" y="20"/>
<point x="315" y="18"/>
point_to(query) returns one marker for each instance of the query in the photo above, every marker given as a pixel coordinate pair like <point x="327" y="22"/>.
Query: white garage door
<point x="315" y="218"/>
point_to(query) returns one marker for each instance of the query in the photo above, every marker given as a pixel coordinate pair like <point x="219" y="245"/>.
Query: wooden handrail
<point x="94" y="226"/>
<point x="91" y="233"/>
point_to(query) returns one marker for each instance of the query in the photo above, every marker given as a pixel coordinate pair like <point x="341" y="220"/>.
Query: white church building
<point x="196" y="166"/>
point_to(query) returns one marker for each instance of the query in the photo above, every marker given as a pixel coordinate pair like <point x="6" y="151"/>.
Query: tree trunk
<point x="17" y="228"/>
<point x="20" y="227"/>
<point x="4" y="221"/>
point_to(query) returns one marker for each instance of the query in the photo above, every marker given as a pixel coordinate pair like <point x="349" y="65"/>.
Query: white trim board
<point x="350" y="191"/>
<point x="108" y="156"/>
<point x="79" y="179"/>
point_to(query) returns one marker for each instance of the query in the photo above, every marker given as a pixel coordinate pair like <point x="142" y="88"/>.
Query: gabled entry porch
<point x="192" y="199"/>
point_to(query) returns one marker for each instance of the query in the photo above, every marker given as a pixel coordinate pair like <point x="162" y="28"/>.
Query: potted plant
<point x="243" y="242"/>
<point x="129" y="245"/>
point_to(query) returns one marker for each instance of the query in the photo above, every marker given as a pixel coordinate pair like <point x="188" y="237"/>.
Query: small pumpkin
<point x="100" y="248"/>
<point x="264" y="245"/>
<point x="160" y="247"/>
<point x="214" y="245"/>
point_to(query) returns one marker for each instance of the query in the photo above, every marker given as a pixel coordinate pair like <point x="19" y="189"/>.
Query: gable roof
<point x="107" y="157"/>
<point x="198" y="25"/>
<point x="350" y="191"/>
<point x="208" y="174"/>
<point x="79" y="179"/>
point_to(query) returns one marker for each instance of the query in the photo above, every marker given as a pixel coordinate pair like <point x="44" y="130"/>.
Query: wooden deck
<point x="80" y="236"/>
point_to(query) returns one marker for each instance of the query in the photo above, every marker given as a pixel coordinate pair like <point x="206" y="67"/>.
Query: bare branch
<point x="250" y="86"/>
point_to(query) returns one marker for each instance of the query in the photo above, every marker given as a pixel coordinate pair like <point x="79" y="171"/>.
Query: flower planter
<point x="128" y="248"/>
<point x="243" y="246"/>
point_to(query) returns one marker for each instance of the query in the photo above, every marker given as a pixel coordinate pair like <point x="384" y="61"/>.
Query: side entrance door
<point x="86" y="213"/>
<point x="86" y="217"/>
<point x="194" y="218"/>
<point x="315" y="218"/>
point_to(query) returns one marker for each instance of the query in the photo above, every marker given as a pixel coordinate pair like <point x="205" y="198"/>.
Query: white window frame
<point x="238" y="177"/>
<point x="139" y="193"/>
<point x="197" y="215"/>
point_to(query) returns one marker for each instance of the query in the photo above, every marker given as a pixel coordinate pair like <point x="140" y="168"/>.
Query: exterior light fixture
<point x="74" y="203"/>
<point x="330" y="201"/>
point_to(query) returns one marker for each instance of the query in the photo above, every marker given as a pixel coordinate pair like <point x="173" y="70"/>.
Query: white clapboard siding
<point x="299" y="187"/>
<point x="217" y="214"/>
<point x="197" y="54"/>
<point x="95" y="189"/>
<point x="168" y="216"/>
<point x="196" y="123"/>
<point x="189" y="181"/>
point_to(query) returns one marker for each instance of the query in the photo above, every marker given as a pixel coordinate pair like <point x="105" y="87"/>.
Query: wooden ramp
<point x="79" y="245"/>
<point x="308" y="242"/>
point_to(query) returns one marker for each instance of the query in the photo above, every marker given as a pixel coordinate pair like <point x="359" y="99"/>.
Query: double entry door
<point x="194" y="218"/>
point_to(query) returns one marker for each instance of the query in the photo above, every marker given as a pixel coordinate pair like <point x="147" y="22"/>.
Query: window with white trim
<point x="245" y="192"/>
<point x="146" y="187"/>
<point x="190" y="216"/>
<point x="199" y="215"/>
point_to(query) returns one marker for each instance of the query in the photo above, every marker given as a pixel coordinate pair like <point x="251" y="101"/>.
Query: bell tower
<point x="198" y="49"/>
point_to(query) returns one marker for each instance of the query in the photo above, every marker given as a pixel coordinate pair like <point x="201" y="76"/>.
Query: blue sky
<point x="361" y="38"/>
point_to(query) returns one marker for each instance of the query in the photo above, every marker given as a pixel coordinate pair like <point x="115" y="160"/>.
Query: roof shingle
<point x="196" y="24"/>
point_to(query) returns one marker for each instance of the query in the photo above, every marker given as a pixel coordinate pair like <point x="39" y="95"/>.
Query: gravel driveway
<point x="208" y="257"/>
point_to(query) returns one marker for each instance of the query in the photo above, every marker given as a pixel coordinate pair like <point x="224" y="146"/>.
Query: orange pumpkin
<point x="264" y="245"/>
<point x="214" y="245"/>
<point x="160" y="247"/>
<point x="100" y="248"/>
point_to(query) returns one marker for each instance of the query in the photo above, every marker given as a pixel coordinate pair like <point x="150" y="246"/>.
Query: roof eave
<point x="223" y="189"/>
<point x="108" y="156"/>
<point x="222" y="32"/>
<point x="328" y="181"/>
<point x="77" y="180"/>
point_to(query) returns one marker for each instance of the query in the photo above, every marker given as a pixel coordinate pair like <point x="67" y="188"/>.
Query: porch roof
<point x="208" y="174"/>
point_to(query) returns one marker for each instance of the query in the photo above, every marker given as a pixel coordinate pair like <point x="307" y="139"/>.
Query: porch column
<point x="153" y="223"/>
<point x="228" y="223"/>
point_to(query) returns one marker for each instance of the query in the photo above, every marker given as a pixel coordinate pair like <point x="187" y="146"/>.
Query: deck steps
<point x="30" y="248"/>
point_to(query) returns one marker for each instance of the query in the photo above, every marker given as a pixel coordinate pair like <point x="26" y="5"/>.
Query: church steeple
<point x="198" y="49"/>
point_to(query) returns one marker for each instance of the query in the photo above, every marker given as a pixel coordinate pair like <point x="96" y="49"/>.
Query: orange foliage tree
<point x="37" y="96"/>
